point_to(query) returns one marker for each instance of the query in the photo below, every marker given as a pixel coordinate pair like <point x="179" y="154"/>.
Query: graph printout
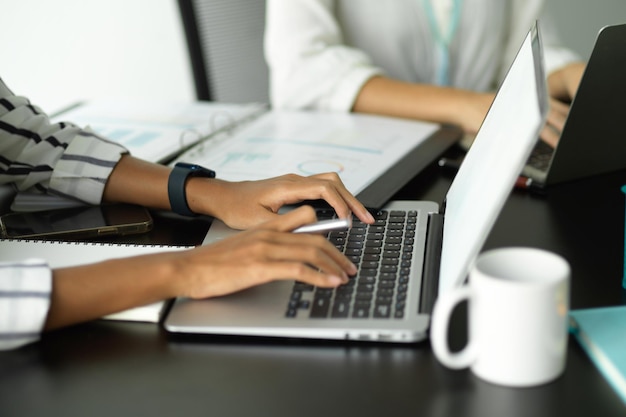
<point x="359" y="148"/>
<point x="156" y="130"/>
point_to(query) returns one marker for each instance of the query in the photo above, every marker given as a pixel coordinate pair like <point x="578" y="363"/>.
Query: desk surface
<point x="119" y="369"/>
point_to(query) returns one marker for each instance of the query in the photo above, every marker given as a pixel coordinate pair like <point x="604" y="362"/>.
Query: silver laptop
<point x="592" y="141"/>
<point x="426" y="250"/>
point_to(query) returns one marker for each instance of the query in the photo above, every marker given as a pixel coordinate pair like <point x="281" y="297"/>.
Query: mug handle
<point x="440" y="319"/>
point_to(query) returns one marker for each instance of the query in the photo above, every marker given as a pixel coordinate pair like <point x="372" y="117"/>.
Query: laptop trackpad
<point x="250" y="307"/>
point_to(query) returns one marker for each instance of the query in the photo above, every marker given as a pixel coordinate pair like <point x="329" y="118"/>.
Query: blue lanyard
<point x="443" y="40"/>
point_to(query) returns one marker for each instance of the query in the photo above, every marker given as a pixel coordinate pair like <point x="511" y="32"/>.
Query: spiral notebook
<point x="60" y="254"/>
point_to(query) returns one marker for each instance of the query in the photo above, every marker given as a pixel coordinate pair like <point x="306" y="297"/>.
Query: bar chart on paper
<point x="154" y="130"/>
<point x="357" y="147"/>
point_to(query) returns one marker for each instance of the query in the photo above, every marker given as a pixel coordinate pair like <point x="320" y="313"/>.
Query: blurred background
<point x="63" y="51"/>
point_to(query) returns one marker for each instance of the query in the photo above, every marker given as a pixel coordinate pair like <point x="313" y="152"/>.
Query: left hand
<point x="555" y="122"/>
<point x="562" y="86"/>
<point x="268" y="252"/>
<point x="245" y="204"/>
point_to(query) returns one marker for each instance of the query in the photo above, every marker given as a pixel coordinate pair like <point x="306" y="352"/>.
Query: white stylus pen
<point x="325" y="226"/>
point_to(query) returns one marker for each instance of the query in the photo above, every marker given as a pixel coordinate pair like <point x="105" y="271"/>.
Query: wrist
<point x="204" y="195"/>
<point x="232" y="202"/>
<point x="177" y="185"/>
<point x="171" y="275"/>
<point x="472" y="107"/>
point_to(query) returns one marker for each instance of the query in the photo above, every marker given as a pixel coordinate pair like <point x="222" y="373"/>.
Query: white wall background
<point x="579" y="21"/>
<point x="61" y="51"/>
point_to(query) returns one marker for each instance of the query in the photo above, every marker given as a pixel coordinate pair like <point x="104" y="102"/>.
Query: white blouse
<point x="321" y="52"/>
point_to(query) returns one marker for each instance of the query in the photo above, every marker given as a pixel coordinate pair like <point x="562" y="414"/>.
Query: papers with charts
<point x="157" y="131"/>
<point x="358" y="147"/>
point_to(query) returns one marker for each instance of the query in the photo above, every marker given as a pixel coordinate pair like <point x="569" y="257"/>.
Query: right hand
<point x="246" y="204"/>
<point x="259" y="255"/>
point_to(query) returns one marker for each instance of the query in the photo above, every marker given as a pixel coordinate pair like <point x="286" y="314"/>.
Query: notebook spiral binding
<point x="92" y="243"/>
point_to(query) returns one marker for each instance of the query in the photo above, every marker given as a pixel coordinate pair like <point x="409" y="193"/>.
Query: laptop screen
<point x="494" y="161"/>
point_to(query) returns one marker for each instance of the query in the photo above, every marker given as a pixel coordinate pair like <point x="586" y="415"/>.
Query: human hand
<point x="563" y="83"/>
<point x="555" y="122"/>
<point x="572" y="75"/>
<point x="562" y="86"/>
<point x="248" y="203"/>
<point x="262" y="254"/>
<point x="473" y="111"/>
<point x="551" y="132"/>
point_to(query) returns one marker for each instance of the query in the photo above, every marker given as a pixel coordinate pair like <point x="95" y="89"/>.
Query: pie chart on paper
<point x="319" y="166"/>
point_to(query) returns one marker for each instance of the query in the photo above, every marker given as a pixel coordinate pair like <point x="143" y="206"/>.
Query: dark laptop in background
<point x="593" y="140"/>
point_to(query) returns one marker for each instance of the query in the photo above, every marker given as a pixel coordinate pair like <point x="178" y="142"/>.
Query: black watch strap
<point x="176" y="185"/>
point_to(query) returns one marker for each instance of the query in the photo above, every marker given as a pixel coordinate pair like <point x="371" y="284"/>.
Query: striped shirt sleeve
<point x="51" y="158"/>
<point x="25" y="289"/>
<point x="59" y="158"/>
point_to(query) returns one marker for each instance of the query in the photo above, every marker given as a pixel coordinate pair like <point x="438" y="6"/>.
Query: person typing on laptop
<point x="432" y="60"/>
<point x="66" y="160"/>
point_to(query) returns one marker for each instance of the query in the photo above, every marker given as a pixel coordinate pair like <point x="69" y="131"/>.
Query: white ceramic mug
<point x="518" y="301"/>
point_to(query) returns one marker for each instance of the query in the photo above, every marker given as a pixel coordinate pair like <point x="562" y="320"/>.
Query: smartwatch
<point x="176" y="185"/>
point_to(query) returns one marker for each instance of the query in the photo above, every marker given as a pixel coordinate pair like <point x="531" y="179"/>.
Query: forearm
<point x="247" y="259"/>
<point x="425" y="102"/>
<point x="144" y="183"/>
<point x="139" y="182"/>
<point x="395" y="98"/>
<point x="88" y="292"/>
<point x="40" y="155"/>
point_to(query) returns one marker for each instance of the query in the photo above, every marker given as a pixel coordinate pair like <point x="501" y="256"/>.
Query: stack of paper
<point x="358" y="147"/>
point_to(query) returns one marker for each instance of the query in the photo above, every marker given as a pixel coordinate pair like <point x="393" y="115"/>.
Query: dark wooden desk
<point x="127" y="369"/>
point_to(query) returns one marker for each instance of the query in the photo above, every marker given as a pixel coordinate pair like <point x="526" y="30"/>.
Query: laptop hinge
<point x="432" y="262"/>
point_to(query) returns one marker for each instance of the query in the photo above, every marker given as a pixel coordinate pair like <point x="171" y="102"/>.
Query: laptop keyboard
<point x="383" y="254"/>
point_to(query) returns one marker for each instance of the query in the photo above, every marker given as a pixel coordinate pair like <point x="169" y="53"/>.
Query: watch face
<point x="196" y="170"/>
<point x="188" y="166"/>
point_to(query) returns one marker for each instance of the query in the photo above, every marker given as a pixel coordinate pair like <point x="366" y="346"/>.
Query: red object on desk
<point x="523" y="182"/>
